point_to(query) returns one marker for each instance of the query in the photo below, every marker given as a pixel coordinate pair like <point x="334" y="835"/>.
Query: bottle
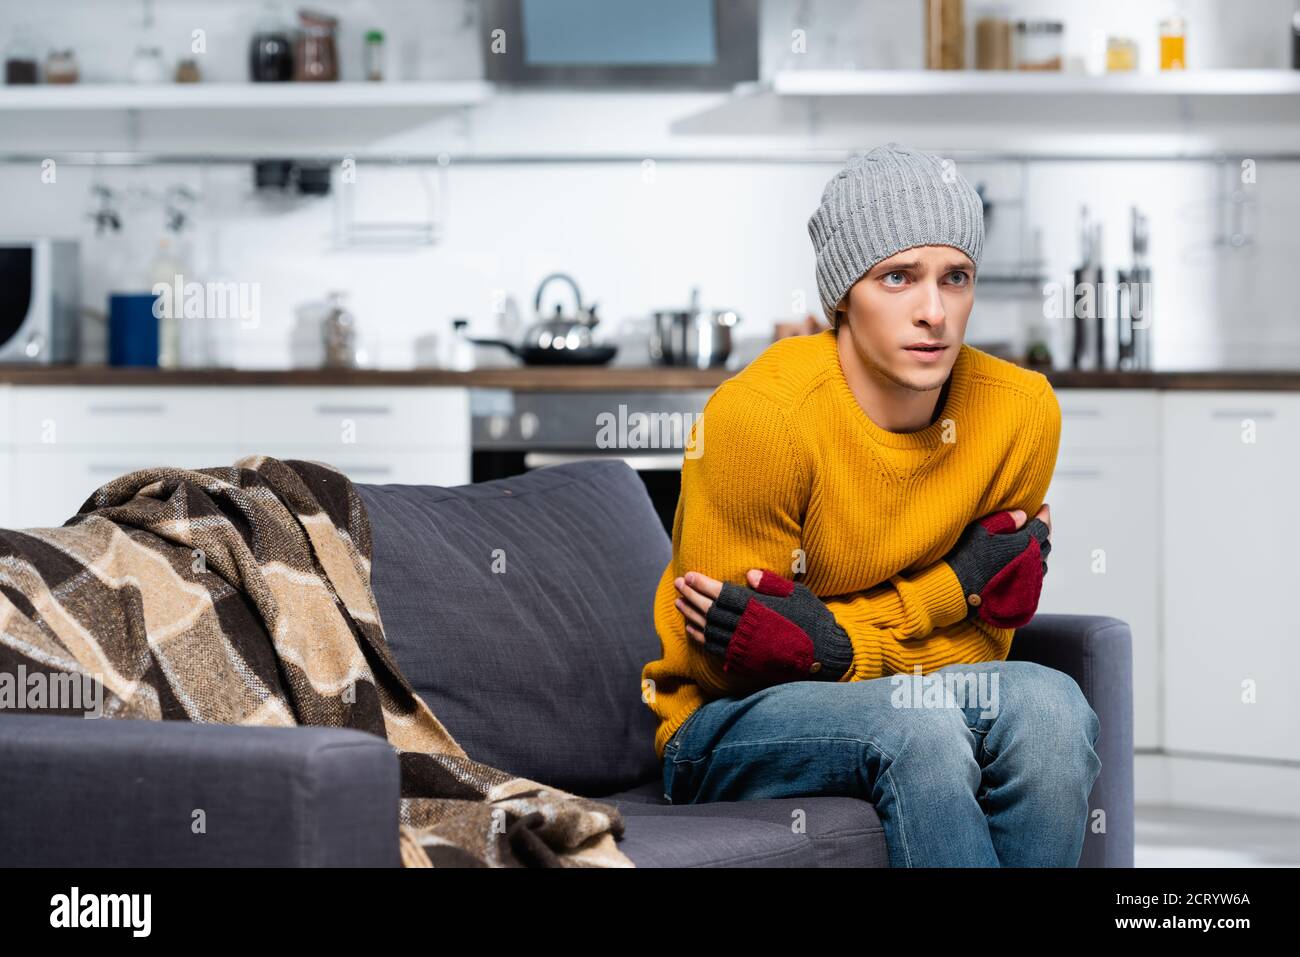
<point x="1295" y="39"/>
<point x="375" y="56"/>
<point x="270" y="56"/>
<point x="1173" y="44"/>
<point x="460" y="351"/>
<point x="168" y="307"/>
<point x="1089" y="301"/>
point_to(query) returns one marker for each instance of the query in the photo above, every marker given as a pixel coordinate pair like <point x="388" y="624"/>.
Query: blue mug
<point x="132" y="329"/>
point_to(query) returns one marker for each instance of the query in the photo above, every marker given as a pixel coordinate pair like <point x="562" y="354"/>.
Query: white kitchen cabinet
<point x="1105" y="506"/>
<point x="6" y="460"/>
<point x="348" y="418"/>
<point x="64" y="442"/>
<point x="151" y="418"/>
<point x="7" y="513"/>
<point x="51" y="483"/>
<point x="1094" y="420"/>
<point x="1231" y="524"/>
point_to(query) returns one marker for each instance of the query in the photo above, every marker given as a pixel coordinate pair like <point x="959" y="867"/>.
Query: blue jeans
<point x="991" y="766"/>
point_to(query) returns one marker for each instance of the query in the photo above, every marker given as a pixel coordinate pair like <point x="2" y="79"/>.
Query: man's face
<point x="922" y="294"/>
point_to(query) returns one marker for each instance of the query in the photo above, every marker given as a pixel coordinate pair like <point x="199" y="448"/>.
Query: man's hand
<point x="698" y="592"/>
<point x="776" y="630"/>
<point x="1000" y="562"/>
<point x="1045" y="516"/>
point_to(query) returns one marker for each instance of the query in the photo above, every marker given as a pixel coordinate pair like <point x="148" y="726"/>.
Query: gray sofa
<point x="534" y="667"/>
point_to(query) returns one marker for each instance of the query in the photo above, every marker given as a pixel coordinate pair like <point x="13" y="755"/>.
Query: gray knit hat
<point x="886" y="200"/>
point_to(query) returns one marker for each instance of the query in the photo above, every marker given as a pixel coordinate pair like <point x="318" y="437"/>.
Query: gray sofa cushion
<point x="840" y="831"/>
<point x="536" y="671"/>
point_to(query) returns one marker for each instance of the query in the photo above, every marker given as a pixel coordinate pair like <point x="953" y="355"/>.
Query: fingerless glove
<point x="779" y="631"/>
<point x="1001" y="568"/>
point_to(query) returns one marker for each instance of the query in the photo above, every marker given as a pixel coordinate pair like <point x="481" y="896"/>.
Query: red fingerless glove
<point x="1011" y="596"/>
<point x="779" y="631"/>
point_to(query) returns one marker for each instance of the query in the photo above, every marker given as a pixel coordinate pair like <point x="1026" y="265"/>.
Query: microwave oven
<point x="608" y="44"/>
<point x="40" y="301"/>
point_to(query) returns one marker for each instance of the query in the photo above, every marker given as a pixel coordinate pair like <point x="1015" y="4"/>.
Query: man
<point x="889" y="467"/>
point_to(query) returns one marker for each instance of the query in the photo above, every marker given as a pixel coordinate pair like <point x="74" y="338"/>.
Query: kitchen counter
<point x="583" y="378"/>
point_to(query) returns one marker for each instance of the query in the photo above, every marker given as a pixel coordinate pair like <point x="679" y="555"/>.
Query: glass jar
<point x="945" y="35"/>
<point x="992" y="39"/>
<point x="1038" y="44"/>
<point x="317" y="57"/>
<point x="21" y="68"/>
<point x="147" y="65"/>
<point x="1121" y="55"/>
<point x="61" y="67"/>
<point x="1173" y="44"/>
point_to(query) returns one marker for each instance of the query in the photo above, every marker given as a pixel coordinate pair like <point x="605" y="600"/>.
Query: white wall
<point x="637" y="235"/>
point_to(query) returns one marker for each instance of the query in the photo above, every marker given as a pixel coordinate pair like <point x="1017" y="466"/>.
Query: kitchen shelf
<point x="243" y="96"/>
<point x="1027" y="83"/>
<point x="1142" y="113"/>
<point x="223" y="117"/>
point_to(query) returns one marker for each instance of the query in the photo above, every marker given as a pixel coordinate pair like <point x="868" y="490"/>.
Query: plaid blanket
<point x="241" y="595"/>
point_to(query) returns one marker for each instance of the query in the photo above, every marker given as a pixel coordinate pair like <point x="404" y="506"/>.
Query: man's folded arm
<point x="906" y="607"/>
<point x="744" y="497"/>
<point x="744" y="491"/>
<point x="743" y="500"/>
<point x="891" y="624"/>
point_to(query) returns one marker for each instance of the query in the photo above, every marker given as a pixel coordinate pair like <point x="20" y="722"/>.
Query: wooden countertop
<point x="581" y="378"/>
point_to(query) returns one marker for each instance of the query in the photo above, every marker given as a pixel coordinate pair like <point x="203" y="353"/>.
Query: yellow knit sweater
<point x="786" y="471"/>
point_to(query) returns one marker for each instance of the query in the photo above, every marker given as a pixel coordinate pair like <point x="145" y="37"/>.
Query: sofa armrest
<point x="1097" y="651"/>
<point x="117" y="792"/>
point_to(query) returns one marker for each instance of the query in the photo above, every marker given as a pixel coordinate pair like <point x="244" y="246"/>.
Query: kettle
<point x="561" y="339"/>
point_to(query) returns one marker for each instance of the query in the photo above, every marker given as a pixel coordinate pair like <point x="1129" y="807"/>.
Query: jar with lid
<point x="147" y="65"/>
<point x="21" y="67"/>
<point x="1173" y="43"/>
<point x="992" y="38"/>
<point x="339" y="334"/>
<point x="1121" y="55"/>
<point x="1038" y="44"/>
<point x="945" y="35"/>
<point x="61" y="67"/>
<point x="317" y="58"/>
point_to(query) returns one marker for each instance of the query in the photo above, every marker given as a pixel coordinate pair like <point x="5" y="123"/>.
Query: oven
<point x="516" y="431"/>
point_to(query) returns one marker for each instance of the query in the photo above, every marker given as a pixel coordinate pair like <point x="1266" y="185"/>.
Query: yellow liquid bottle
<point x="1173" y="44"/>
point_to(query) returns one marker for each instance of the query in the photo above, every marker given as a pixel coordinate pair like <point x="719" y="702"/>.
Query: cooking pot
<point x="561" y="339"/>
<point x="692" y="337"/>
